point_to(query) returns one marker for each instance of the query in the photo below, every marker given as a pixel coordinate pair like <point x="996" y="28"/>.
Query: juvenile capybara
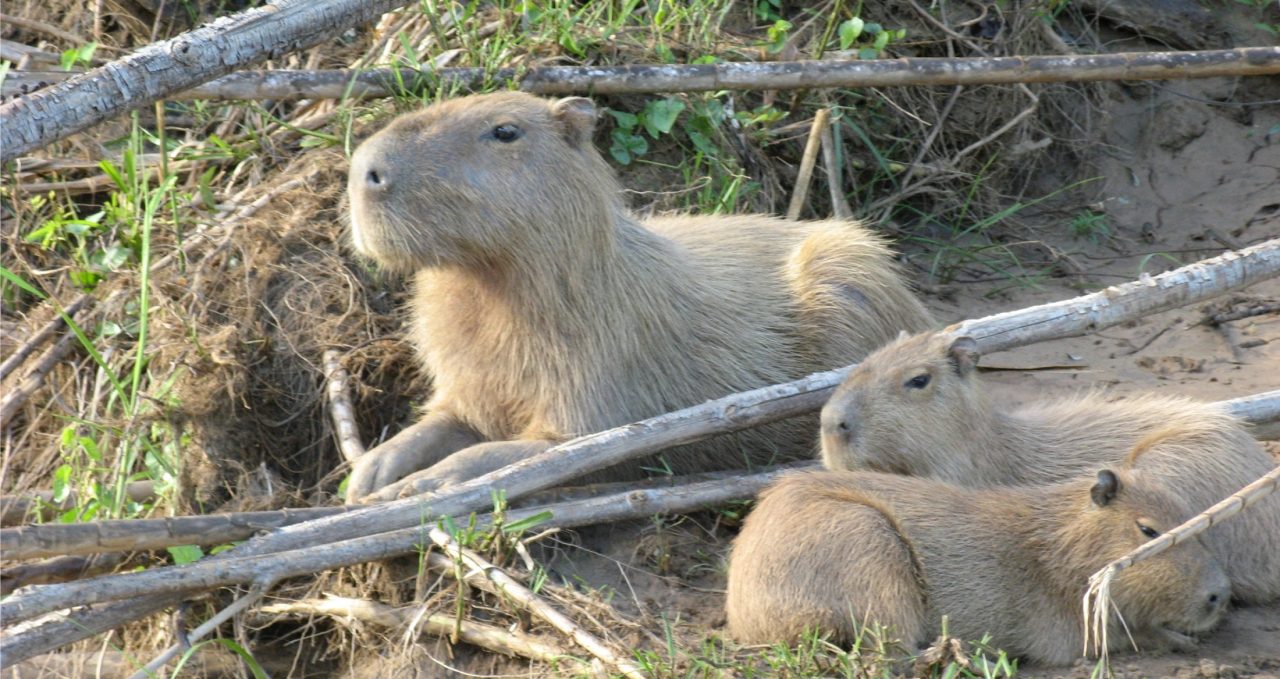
<point x="545" y="310"/>
<point x="917" y="407"/>
<point x="834" y="550"/>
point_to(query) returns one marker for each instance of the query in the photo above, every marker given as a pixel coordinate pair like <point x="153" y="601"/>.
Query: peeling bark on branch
<point x="173" y="65"/>
<point x="771" y="75"/>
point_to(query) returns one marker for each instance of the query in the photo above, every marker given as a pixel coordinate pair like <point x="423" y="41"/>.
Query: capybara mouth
<point x="1179" y="640"/>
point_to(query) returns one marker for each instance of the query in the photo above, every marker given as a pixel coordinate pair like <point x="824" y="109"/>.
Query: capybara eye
<point x="1148" y="531"/>
<point x="918" y="382"/>
<point x="507" y="133"/>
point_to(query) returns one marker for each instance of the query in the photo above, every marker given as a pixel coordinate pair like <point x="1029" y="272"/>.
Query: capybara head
<point x="901" y="408"/>
<point x="479" y="180"/>
<point x="1166" y="598"/>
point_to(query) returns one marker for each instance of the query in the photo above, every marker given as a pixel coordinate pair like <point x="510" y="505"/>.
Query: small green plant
<point x="78" y="55"/>
<point x="1091" y="226"/>
<point x="871" y="38"/>
<point x="656" y="118"/>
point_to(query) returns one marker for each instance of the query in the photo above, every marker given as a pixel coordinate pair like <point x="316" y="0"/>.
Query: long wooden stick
<point x="772" y="75"/>
<point x="38" y="541"/>
<point x="126" y="535"/>
<point x="1116" y="304"/>
<point x="173" y="65"/>
<point x="264" y="570"/>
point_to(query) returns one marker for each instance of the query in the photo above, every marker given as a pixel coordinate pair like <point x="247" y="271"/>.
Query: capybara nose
<point x="1217" y="601"/>
<point x="376" y="179"/>
<point x="837" y="427"/>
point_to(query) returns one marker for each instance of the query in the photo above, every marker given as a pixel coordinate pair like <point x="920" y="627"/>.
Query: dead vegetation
<point x="212" y="387"/>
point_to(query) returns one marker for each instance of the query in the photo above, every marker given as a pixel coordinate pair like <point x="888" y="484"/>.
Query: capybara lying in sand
<point x="545" y="310"/>
<point x="837" y="549"/>
<point x="917" y="407"/>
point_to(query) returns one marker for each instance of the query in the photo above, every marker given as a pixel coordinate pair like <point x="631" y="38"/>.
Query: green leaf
<point x="882" y="39"/>
<point x="873" y="28"/>
<point x="849" y="31"/>
<point x="868" y="53"/>
<point x="660" y="116"/>
<point x="527" y="522"/>
<point x="17" y="280"/>
<point x="626" y="121"/>
<point x="185" y="554"/>
<point x="61" y="482"/>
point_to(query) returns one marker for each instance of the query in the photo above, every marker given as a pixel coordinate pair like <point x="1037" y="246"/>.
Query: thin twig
<point x="45" y="332"/>
<point x="200" y="632"/>
<point x="806" y="164"/>
<point x="340" y="408"/>
<point x="35" y="378"/>
<point x="517" y="592"/>
<point x="42" y="27"/>
<point x="835" y="181"/>
<point x="488" y="637"/>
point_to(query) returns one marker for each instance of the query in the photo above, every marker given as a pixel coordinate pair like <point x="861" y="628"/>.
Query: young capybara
<point x="545" y="310"/>
<point x="834" y="550"/>
<point x="917" y="407"/>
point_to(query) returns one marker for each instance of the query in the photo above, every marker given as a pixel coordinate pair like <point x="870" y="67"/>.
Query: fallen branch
<point x="1113" y="305"/>
<point x="263" y="571"/>
<point x="340" y="409"/>
<point x="14" y="399"/>
<point x="772" y="75"/>
<point x="163" y="68"/>
<point x="15" y="509"/>
<point x="57" y="539"/>
<point x="59" y="569"/>
<point x="1097" y="598"/>
<point x="38" y="337"/>
<point x="488" y="637"/>
<point x="514" y="591"/>
<point x="44" y="540"/>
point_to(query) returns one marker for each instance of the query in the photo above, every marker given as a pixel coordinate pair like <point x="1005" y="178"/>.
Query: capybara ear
<point x="1104" y="491"/>
<point x="964" y="355"/>
<point x="577" y="116"/>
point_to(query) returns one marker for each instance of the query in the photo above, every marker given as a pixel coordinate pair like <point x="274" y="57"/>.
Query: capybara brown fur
<point x="835" y="550"/>
<point x="545" y="310"/>
<point x="917" y="407"/>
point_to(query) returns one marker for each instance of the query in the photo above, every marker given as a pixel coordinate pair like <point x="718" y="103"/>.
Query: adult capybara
<point x="545" y="310"/>
<point x="917" y="407"/>
<point x="836" y="549"/>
